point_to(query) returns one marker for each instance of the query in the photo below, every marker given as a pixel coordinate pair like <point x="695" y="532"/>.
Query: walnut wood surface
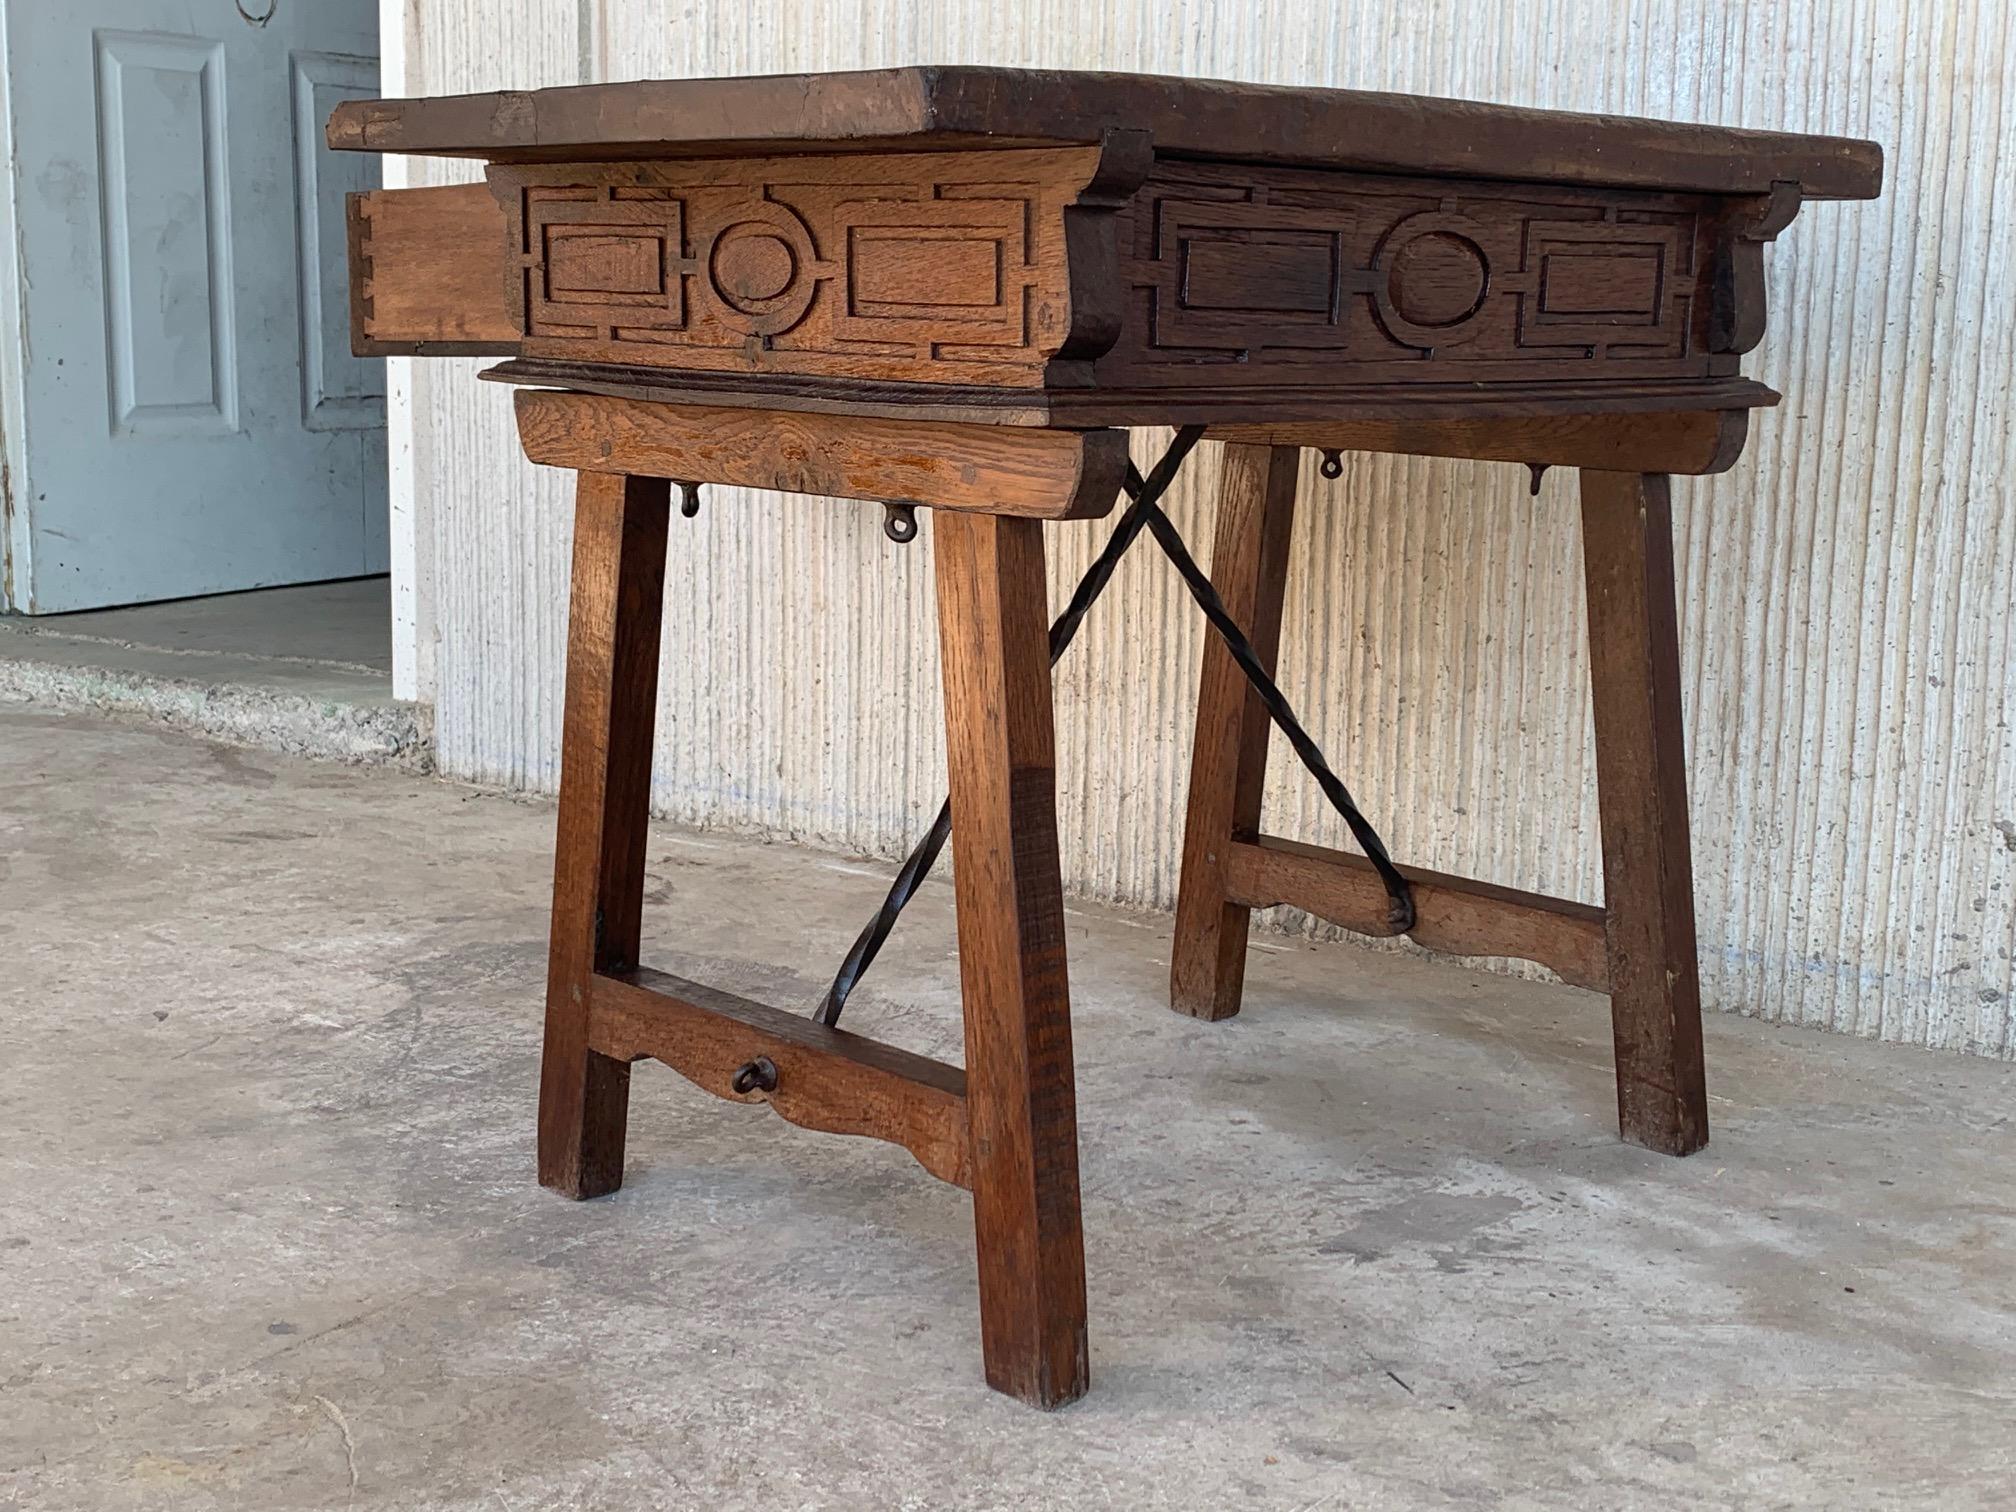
<point x="1088" y="249"/>
<point x="826" y="1079"/>
<point x="1693" y="442"/>
<point x="1057" y="287"/>
<point x="1047" y="474"/>
<point x="1640" y="948"/>
<point x="427" y="273"/>
<point x="1254" y="274"/>
<point x="605" y="796"/>
<point x="1228" y="762"/>
<point x="949" y="267"/>
<point x="1208" y="118"/>
<point x="994" y="640"/>
<point x="1641" y="780"/>
<point x="1091" y="408"/>
<point x="1455" y="915"/>
<point x="863" y="284"/>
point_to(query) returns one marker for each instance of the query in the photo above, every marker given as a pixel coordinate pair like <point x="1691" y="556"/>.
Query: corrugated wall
<point x="1847" y="590"/>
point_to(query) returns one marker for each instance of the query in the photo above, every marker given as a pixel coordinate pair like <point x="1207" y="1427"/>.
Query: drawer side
<point x="430" y="273"/>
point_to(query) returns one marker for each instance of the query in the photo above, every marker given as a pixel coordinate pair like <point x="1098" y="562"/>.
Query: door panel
<point x="339" y="391"/>
<point x="192" y="419"/>
<point x="167" y="233"/>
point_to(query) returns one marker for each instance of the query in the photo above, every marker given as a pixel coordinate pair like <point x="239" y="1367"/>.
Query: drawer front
<point x="947" y="268"/>
<point x="1276" y="277"/>
<point x="1104" y="289"/>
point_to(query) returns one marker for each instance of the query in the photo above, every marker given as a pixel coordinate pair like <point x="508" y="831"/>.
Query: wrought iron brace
<point x="1144" y="513"/>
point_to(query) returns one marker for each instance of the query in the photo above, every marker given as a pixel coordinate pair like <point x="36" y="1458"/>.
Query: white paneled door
<point x="183" y="413"/>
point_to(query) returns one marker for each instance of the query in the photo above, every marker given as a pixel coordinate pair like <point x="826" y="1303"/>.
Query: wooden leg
<point x="1249" y="567"/>
<point x="1641" y="776"/>
<point x="605" y="797"/>
<point x="1021" y="1102"/>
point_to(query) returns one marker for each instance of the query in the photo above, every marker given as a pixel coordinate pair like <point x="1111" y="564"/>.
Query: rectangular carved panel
<point x="934" y="267"/>
<point x="1293" y="273"/>
<point x="1623" y="281"/>
<point x="593" y="263"/>
<point x="1247" y="276"/>
<point x="898" y="270"/>
<point x="602" y="263"/>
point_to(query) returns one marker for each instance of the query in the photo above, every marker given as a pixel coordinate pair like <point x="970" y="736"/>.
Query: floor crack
<point x="349" y="1444"/>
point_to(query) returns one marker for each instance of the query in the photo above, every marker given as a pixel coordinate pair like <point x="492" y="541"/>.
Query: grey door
<point x="184" y="414"/>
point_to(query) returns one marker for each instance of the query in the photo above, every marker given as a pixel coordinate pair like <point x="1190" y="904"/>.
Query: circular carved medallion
<point x="750" y="269"/>
<point x="760" y="270"/>
<point x="1435" y="276"/>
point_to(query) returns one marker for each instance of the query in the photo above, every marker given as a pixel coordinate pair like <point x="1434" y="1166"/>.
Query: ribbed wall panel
<point x="1846" y="591"/>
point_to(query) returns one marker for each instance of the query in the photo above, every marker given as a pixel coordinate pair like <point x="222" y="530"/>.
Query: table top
<point x="919" y="108"/>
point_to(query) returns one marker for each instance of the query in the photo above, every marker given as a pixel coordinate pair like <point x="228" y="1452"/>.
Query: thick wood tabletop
<point x="928" y="108"/>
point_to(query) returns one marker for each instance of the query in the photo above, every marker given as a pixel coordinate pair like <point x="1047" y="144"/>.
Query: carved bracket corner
<point x="1098" y="294"/>
<point x="1736" y="313"/>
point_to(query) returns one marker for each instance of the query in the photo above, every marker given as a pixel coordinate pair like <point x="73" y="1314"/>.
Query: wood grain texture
<point x="1046" y="474"/>
<point x="1736" y="309"/>
<point x="1688" y="442"/>
<point x="1394" y="399"/>
<point x="1641" y="775"/>
<point x="1254" y="274"/>
<point x="827" y="1079"/>
<point x="1455" y="915"/>
<point x="993" y="636"/>
<point x="1059" y="283"/>
<point x="1093" y="255"/>
<point x="990" y="268"/>
<point x="428" y="273"/>
<point x="1385" y="133"/>
<point x="1092" y="408"/>
<point x="938" y="403"/>
<point x="605" y="803"/>
<point x="1228" y="763"/>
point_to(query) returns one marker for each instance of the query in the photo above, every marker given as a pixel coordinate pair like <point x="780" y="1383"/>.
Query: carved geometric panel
<point x="1230" y="264"/>
<point x="601" y="263"/>
<point x="594" y="261"/>
<point x="945" y="267"/>
<point x="1273" y="275"/>
<point x="1604" y="283"/>
<point x="763" y="269"/>
<point x="953" y="278"/>
<point x="1430" y="276"/>
<point x="166" y="210"/>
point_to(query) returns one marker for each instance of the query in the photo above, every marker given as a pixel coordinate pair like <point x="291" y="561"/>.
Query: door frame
<point x="408" y="542"/>
<point x="14" y="533"/>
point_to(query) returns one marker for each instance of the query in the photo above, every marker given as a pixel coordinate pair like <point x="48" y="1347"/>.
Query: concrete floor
<point x="306" y="669"/>
<point x="342" y="626"/>
<point x="270" y="1236"/>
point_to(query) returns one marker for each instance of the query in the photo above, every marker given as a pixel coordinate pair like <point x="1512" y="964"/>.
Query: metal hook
<point x="1332" y="465"/>
<point x="271" y="6"/>
<point x="1539" y="471"/>
<point x="689" y="499"/>
<point x="759" y="1075"/>
<point x="899" y="523"/>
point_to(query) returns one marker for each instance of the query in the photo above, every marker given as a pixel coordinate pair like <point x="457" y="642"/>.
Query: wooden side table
<point x="952" y="287"/>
